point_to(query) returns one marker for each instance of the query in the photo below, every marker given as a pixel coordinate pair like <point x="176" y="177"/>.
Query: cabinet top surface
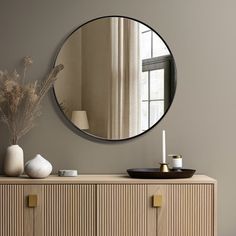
<point x="104" y="179"/>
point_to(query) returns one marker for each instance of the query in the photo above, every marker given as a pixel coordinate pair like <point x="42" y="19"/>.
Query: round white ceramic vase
<point x="38" y="167"/>
<point x="14" y="161"/>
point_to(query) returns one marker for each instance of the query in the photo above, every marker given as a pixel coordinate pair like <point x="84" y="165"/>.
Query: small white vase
<point x="38" y="167"/>
<point x="14" y="161"/>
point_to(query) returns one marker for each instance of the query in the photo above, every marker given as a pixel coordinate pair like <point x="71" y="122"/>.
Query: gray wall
<point x="96" y="72"/>
<point x="201" y="122"/>
<point x="68" y="85"/>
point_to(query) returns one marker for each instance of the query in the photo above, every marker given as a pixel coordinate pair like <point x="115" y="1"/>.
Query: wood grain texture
<point x="117" y="207"/>
<point x="122" y="210"/>
<point x="215" y="208"/>
<point x="187" y="210"/>
<point x="33" y="216"/>
<point x="11" y="210"/>
<point x="65" y="210"/>
<point x="104" y="179"/>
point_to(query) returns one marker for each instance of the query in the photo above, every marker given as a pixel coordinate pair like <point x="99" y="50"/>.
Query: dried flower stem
<point x="20" y="101"/>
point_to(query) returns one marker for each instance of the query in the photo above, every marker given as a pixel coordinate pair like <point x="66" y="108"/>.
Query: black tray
<point x="154" y="173"/>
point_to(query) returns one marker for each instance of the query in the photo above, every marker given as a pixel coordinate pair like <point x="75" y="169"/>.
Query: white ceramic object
<point x="177" y="162"/>
<point x="68" y="173"/>
<point x="14" y="161"/>
<point x="38" y="167"/>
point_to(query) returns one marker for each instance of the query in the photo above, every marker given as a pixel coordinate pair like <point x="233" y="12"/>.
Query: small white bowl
<point x="68" y="173"/>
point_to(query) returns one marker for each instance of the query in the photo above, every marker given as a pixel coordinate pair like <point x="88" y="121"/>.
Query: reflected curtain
<point x="124" y="108"/>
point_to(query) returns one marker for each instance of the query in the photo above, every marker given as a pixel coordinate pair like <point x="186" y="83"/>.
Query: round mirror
<point x="119" y="78"/>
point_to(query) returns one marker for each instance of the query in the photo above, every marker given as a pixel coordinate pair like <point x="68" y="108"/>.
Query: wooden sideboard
<point x="107" y="205"/>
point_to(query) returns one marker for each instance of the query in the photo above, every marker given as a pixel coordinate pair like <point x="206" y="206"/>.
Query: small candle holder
<point x="164" y="167"/>
<point x="177" y="163"/>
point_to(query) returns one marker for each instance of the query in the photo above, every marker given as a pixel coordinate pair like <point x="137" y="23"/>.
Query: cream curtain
<point x="124" y="105"/>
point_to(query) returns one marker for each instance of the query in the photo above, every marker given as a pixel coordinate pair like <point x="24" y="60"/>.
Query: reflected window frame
<point x="163" y="61"/>
<point x="158" y="63"/>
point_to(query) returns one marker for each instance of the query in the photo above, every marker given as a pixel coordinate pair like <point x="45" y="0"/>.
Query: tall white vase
<point x="14" y="161"/>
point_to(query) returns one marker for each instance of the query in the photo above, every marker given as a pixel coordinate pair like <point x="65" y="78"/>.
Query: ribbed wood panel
<point x="109" y="209"/>
<point x="11" y="210"/>
<point x="187" y="210"/>
<point x="33" y="217"/>
<point x="62" y="210"/>
<point x="156" y="217"/>
<point x="122" y="210"/>
<point x="69" y="210"/>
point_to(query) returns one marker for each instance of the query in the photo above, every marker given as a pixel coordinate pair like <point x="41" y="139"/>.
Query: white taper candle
<point x="163" y="146"/>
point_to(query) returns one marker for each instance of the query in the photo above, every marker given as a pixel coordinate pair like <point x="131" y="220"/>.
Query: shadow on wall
<point x="3" y="144"/>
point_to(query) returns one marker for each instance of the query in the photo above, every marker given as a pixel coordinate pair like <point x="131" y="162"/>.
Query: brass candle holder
<point x="164" y="167"/>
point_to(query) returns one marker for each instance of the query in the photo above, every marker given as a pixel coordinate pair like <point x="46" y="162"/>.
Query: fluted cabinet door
<point x="122" y="210"/>
<point x="187" y="209"/>
<point x="11" y="210"/>
<point x="63" y="210"/>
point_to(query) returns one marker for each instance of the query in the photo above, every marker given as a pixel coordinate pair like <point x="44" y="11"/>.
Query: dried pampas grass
<point x="20" y="100"/>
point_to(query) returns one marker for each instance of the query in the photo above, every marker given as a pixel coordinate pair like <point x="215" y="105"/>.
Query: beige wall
<point x="96" y="72"/>
<point x="87" y="70"/>
<point x="68" y="85"/>
<point x="201" y="123"/>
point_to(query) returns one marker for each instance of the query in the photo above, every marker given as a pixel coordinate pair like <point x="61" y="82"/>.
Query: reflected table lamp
<point x="80" y="119"/>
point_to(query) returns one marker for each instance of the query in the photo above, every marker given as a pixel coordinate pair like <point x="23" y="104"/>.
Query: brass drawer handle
<point x="157" y="201"/>
<point x="32" y="200"/>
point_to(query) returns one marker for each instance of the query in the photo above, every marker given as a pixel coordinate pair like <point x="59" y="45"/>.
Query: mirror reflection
<point x="118" y="79"/>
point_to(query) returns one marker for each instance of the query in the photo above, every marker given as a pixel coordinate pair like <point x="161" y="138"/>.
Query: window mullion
<point x="151" y="44"/>
<point x="149" y="105"/>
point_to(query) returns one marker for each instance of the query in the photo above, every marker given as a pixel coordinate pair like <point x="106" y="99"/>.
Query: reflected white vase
<point x="38" y="167"/>
<point x="14" y="161"/>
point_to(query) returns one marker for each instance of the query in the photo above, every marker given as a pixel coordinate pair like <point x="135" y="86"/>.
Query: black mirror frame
<point x="87" y="135"/>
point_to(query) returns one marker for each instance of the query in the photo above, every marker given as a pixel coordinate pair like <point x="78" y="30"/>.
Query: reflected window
<point x="155" y="85"/>
<point x="151" y="44"/>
